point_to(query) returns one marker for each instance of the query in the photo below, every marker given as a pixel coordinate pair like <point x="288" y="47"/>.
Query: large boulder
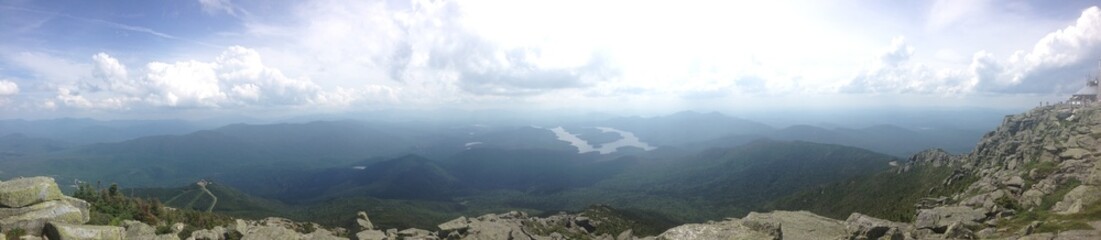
<point x="413" y="233"/>
<point x="364" y="222"/>
<point x="371" y="235"/>
<point x="138" y="230"/>
<point x="773" y="225"/>
<point x="22" y="192"/>
<point x="798" y="224"/>
<point x="490" y="227"/>
<point x="215" y="233"/>
<point x="938" y="219"/>
<point x="1077" y="199"/>
<point x="270" y="233"/>
<point x="322" y="234"/>
<point x="863" y="227"/>
<point x="63" y="231"/>
<point x="730" y="229"/>
<point x="33" y="218"/>
<point x="457" y="224"/>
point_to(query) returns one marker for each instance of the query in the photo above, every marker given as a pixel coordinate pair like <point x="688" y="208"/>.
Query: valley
<point x="685" y="167"/>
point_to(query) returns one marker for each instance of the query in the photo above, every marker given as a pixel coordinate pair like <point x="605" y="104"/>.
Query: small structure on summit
<point x="1087" y="95"/>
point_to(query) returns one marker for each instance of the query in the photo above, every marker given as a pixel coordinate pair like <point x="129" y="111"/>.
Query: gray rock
<point x="371" y="235"/>
<point x="938" y="219"/>
<point x="33" y="218"/>
<point x="270" y="233"/>
<point x="1075" y="200"/>
<point x="861" y="226"/>
<point x="958" y="231"/>
<point x="322" y="234"/>
<point x="136" y="230"/>
<point x="731" y="229"/>
<point x="1074" y="153"/>
<point x="22" y="192"/>
<point x="772" y="229"/>
<point x="215" y="233"/>
<point x="63" y="231"/>
<point x="1038" y="236"/>
<point x="455" y="224"/>
<point x="1015" y="182"/>
<point x="625" y="235"/>
<point x="486" y="228"/>
<point x="801" y="224"/>
<point x="364" y="222"/>
<point x="1078" y="235"/>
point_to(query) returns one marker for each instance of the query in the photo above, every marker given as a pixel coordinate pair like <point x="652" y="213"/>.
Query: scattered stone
<point x="64" y="231"/>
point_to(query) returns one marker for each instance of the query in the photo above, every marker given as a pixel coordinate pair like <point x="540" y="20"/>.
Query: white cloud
<point x="894" y="72"/>
<point x="183" y="84"/>
<point x="236" y="78"/>
<point x="1068" y="49"/>
<point x="1057" y="63"/>
<point x="427" y="47"/>
<point x="8" y="88"/>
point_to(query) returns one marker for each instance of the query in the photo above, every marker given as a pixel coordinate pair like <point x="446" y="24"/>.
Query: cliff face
<point x="1035" y="157"/>
<point x="1037" y="176"/>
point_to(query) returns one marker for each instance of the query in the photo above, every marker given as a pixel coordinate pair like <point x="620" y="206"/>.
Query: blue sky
<point x="211" y="57"/>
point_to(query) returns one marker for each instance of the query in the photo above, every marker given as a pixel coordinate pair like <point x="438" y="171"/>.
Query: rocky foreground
<point x="1037" y="176"/>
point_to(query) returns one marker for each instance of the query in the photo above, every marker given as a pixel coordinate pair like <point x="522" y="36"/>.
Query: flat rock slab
<point x="271" y="233"/>
<point x="63" y="231"/>
<point x="371" y="235"/>
<point x="731" y="229"/>
<point x="799" y="225"/>
<point x="940" y="218"/>
<point x="22" y="192"/>
<point x="34" y="218"/>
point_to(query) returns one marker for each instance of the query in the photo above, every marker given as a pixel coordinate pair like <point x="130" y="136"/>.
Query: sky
<point x="123" y="59"/>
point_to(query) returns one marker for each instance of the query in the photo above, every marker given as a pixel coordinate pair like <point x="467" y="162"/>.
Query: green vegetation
<point x="1043" y="169"/>
<point x="1049" y="200"/>
<point x="614" y="221"/>
<point x="888" y="195"/>
<point x="110" y="207"/>
<point x="610" y="221"/>
<point x="1052" y="222"/>
<point x="15" y="233"/>
<point x="230" y="201"/>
